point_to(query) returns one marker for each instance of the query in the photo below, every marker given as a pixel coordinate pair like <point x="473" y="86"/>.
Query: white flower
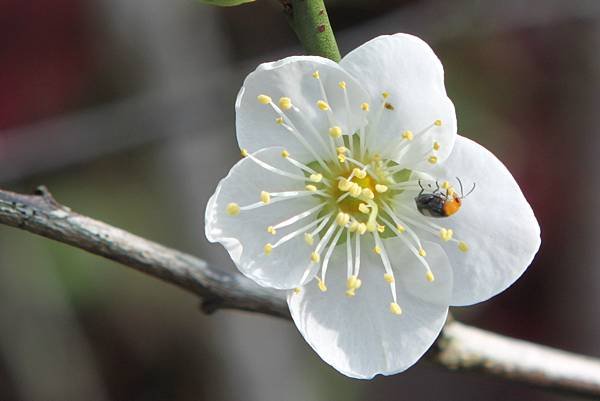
<point x="337" y="158"/>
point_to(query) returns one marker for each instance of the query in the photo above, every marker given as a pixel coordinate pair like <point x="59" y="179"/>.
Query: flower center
<point x="352" y="185"/>
<point x="358" y="189"/>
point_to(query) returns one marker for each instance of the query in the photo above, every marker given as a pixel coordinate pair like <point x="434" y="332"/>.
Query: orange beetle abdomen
<point x="451" y="206"/>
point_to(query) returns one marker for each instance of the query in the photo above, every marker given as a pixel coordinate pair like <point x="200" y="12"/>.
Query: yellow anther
<point x="446" y="234"/>
<point x="437" y="123"/>
<point x="358" y="283"/>
<point x="430" y="277"/>
<point x="436" y="145"/>
<point x="432" y="159"/>
<point x="263" y="99"/>
<point x="358" y="173"/>
<point x="408" y="135"/>
<point x="297" y="290"/>
<point x="316" y="177"/>
<point x="368" y="193"/>
<point x="336" y="131"/>
<point x="381" y="228"/>
<point x="285" y="103"/>
<point x="341" y="158"/>
<point x="308" y="238"/>
<point x="315" y="257"/>
<point x="311" y="188"/>
<point x="279" y="120"/>
<point x="233" y="209"/>
<point x="316" y="75"/>
<point x="389" y="278"/>
<point x="355" y="190"/>
<point x="285" y="154"/>
<point x="381" y="188"/>
<point x="244" y="152"/>
<point x="321" y="285"/>
<point x="395" y="308"/>
<point x="364" y="106"/>
<point x="400" y="228"/>
<point x="463" y="246"/>
<point x="450" y="191"/>
<point x="362" y="228"/>
<point x="350" y="292"/>
<point x="353" y="226"/>
<point x="271" y="230"/>
<point x="385" y="95"/>
<point x="322" y="105"/>
<point x="342" y="84"/>
<point x="363" y="208"/>
<point x="265" y="197"/>
<point x="422" y="252"/>
<point x="371" y="226"/>
<point x="268" y="249"/>
<point x="342" y="150"/>
<point x="352" y="282"/>
<point x="445" y="185"/>
<point x="342" y="219"/>
<point x="344" y="184"/>
<point x="377" y="250"/>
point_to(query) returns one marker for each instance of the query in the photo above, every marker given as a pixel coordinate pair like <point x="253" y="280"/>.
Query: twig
<point x="465" y="348"/>
<point x="459" y="347"/>
<point x="308" y="18"/>
<point x="42" y="215"/>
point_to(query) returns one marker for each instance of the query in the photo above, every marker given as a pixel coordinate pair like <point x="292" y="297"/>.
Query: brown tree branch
<point x="42" y="215"/>
<point x="459" y="347"/>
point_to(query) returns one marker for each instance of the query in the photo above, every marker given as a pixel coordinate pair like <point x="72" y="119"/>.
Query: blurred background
<point x="125" y="109"/>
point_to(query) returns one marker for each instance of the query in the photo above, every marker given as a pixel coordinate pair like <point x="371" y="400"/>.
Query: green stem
<point x="309" y="20"/>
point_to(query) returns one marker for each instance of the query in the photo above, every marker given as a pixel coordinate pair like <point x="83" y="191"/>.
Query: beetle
<point x="438" y="203"/>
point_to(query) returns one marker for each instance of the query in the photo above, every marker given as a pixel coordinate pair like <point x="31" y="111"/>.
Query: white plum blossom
<point x="353" y="195"/>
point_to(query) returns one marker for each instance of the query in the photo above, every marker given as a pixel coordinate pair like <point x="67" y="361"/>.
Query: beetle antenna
<point x="469" y="193"/>
<point x="461" y="187"/>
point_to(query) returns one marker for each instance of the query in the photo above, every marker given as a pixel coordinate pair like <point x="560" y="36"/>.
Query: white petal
<point x="244" y="236"/>
<point x="495" y="220"/>
<point x="359" y="336"/>
<point x="292" y="77"/>
<point x="405" y="67"/>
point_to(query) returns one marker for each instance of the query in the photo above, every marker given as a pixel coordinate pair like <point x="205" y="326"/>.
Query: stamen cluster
<point x="359" y="192"/>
